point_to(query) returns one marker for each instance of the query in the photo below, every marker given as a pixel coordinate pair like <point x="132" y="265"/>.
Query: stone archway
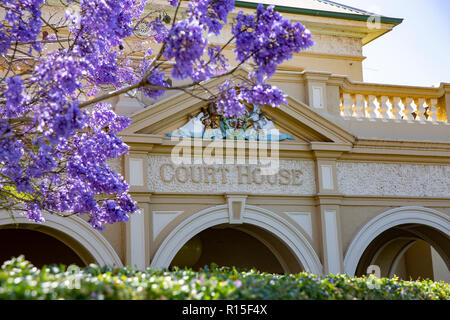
<point x="413" y="218"/>
<point x="73" y="231"/>
<point x="264" y="219"/>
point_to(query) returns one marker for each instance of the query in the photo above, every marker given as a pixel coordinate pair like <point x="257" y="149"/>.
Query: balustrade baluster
<point x="432" y="110"/>
<point x="420" y="112"/>
<point x="409" y="109"/>
<point x="371" y="107"/>
<point x="347" y="105"/>
<point x="358" y="111"/>
<point x="396" y="108"/>
<point x="384" y="108"/>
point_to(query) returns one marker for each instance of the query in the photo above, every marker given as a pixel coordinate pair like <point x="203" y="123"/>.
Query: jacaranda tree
<point x="61" y="59"/>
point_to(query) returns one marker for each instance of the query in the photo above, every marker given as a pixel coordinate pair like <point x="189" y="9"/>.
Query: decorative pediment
<point x="294" y="121"/>
<point x="178" y="114"/>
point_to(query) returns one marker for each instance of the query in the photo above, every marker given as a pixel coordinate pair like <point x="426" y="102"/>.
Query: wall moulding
<point x="333" y="56"/>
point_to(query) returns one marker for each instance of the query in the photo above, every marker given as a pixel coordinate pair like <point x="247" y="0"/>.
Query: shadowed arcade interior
<point x="242" y="246"/>
<point x="41" y="246"/>
<point x="410" y="252"/>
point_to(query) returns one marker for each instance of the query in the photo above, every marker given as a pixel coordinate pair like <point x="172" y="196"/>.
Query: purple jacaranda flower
<point x="268" y="39"/>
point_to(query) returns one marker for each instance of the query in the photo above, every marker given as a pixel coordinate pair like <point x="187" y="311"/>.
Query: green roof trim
<point x="321" y="13"/>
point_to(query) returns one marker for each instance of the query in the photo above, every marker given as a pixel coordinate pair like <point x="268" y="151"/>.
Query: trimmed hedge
<point x="19" y="279"/>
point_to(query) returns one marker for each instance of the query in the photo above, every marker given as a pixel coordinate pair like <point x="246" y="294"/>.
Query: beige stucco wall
<point x="115" y="234"/>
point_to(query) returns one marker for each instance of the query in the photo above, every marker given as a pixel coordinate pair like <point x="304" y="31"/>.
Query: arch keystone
<point x="236" y="208"/>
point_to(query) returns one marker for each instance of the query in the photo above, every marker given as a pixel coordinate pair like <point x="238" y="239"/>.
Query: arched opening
<point x="227" y="245"/>
<point x="74" y="232"/>
<point x="39" y="247"/>
<point x="410" y="252"/>
<point x="290" y="246"/>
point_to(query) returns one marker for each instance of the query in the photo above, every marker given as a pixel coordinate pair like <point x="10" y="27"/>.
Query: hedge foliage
<point x="19" y="279"/>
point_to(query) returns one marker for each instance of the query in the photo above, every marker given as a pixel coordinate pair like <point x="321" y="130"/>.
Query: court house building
<point x="361" y="172"/>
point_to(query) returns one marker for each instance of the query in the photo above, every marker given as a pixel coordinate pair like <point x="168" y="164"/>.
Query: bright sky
<point x="416" y="52"/>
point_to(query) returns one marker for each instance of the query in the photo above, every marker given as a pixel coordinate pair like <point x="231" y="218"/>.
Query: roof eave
<point x="322" y="13"/>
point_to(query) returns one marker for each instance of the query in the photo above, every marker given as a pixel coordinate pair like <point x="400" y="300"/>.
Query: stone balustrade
<point x="337" y="95"/>
<point x="364" y="105"/>
<point x="392" y="102"/>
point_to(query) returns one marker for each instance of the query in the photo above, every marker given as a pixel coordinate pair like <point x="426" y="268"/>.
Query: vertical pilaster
<point x="136" y="240"/>
<point x="316" y="90"/>
<point x="137" y="235"/>
<point x="326" y="179"/>
<point x="136" y="171"/>
<point x="328" y="204"/>
<point x="137" y="228"/>
<point x="444" y="103"/>
<point x="331" y="239"/>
